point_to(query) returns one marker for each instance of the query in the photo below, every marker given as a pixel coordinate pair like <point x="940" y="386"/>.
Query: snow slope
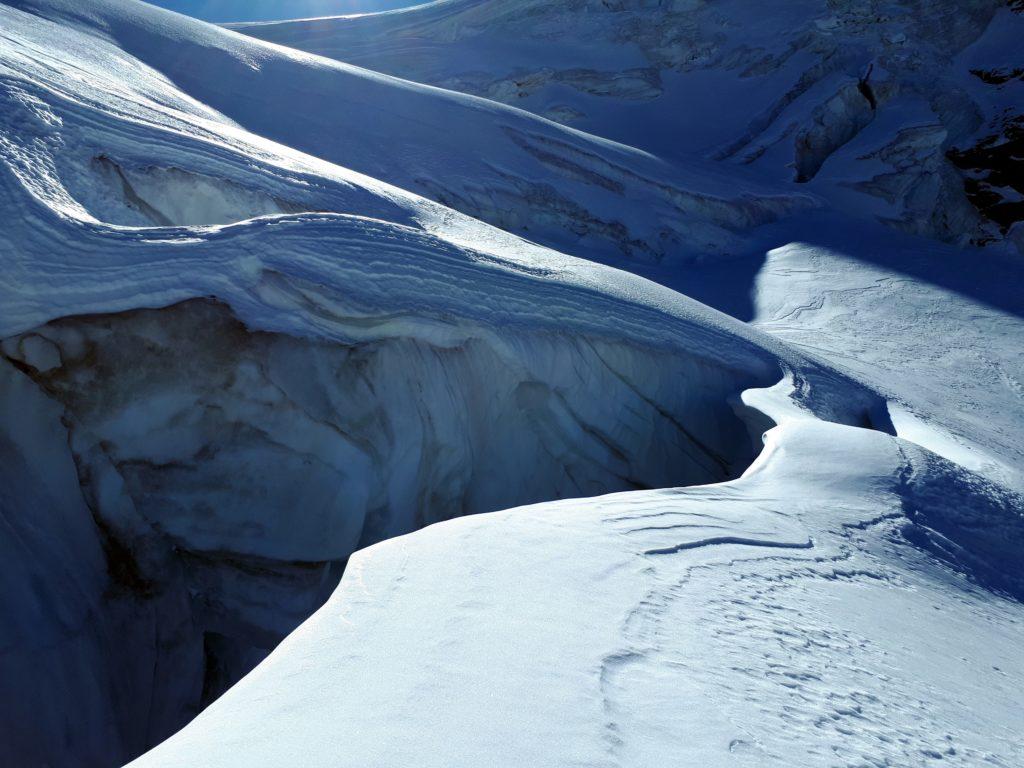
<point x="248" y="330"/>
<point x="822" y="294"/>
<point x="780" y="619"/>
<point x="859" y="102"/>
<point x="254" y="10"/>
<point x="498" y="164"/>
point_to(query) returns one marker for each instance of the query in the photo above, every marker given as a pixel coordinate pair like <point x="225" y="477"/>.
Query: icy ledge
<point x="778" y="619"/>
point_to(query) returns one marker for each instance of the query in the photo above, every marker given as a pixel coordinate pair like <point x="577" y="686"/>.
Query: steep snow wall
<point x="224" y="475"/>
<point x="218" y="431"/>
<point x="94" y="664"/>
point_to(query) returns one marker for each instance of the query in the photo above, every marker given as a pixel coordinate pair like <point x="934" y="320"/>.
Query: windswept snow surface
<point x="523" y="173"/>
<point x="883" y="108"/>
<point x="259" y="10"/>
<point x="257" y="327"/>
<point x="775" y="620"/>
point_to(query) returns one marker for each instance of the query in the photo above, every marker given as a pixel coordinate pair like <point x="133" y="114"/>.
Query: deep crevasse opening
<point x="226" y="474"/>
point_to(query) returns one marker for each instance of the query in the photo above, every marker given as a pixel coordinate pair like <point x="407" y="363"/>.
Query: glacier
<point x="849" y="95"/>
<point x="405" y="388"/>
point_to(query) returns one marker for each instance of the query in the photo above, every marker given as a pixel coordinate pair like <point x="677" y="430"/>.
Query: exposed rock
<point x="994" y="173"/>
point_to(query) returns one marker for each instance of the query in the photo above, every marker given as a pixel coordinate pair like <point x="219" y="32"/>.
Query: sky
<point x="270" y="10"/>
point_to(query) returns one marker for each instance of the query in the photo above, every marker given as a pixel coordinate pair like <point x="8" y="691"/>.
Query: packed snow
<point x="654" y="397"/>
<point x="776" y="620"/>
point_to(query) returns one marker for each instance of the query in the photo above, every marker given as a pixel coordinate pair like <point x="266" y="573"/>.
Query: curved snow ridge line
<point x="460" y="128"/>
<point x="312" y="262"/>
<point x="306" y="274"/>
<point x="721" y="540"/>
<point x="524" y="256"/>
<point x="141" y="136"/>
<point x="331" y="664"/>
<point x="130" y="28"/>
<point x="348" y="280"/>
<point x="946" y="509"/>
<point x="445" y="7"/>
